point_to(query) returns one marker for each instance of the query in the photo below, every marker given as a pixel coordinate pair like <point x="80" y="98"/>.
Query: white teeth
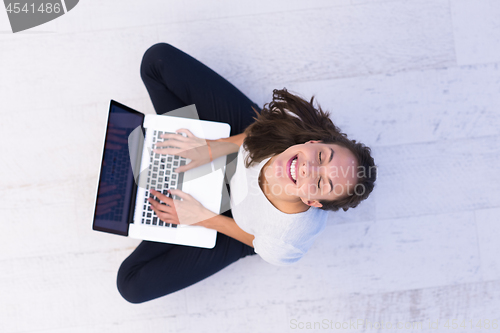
<point x="292" y="169"/>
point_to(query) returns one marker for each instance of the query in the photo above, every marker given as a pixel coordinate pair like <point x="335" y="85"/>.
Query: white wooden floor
<point x="418" y="81"/>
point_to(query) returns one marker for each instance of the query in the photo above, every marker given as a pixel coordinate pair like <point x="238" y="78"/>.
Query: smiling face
<point x="311" y="172"/>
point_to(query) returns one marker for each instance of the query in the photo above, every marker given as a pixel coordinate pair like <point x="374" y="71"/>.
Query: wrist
<point x="209" y="151"/>
<point x="215" y="222"/>
<point x="220" y="148"/>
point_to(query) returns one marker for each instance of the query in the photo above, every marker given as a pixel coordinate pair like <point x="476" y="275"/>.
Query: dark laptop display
<point x="117" y="188"/>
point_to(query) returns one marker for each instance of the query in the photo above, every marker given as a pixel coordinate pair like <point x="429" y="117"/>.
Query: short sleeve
<point x="276" y="252"/>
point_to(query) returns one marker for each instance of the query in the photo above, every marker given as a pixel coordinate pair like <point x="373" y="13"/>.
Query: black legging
<point x="173" y="80"/>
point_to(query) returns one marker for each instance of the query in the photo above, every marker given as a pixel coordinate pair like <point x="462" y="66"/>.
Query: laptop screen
<point x="116" y="181"/>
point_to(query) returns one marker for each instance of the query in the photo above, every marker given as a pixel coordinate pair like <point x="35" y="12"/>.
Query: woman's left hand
<point x="187" y="211"/>
<point x="190" y="147"/>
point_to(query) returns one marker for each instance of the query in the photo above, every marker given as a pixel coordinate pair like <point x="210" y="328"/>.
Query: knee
<point x="155" y="53"/>
<point x="158" y="49"/>
<point x="126" y="286"/>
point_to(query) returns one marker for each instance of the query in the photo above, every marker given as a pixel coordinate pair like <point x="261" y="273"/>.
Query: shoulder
<point x="305" y="226"/>
<point x="290" y="245"/>
<point x="277" y="252"/>
<point x="244" y="154"/>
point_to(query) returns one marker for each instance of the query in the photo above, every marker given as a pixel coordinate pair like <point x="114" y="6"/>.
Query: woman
<point x="293" y="166"/>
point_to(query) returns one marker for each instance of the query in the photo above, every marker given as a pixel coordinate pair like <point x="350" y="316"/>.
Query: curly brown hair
<point x="290" y="120"/>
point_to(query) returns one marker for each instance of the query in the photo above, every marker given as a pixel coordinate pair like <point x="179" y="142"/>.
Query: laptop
<point x="129" y="169"/>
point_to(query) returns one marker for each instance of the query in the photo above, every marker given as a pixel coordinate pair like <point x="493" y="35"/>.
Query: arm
<point x="192" y="212"/>
<point x="196" y="149"/>
<point x="221" y="223"/>
<point x="228" y="226"/>
<point x="226" y="146"/>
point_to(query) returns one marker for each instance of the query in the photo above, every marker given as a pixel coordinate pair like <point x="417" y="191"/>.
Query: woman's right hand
<point x="191" y="147"/>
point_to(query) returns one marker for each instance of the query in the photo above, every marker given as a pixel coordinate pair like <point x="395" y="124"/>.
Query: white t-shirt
<point x="280" y="238"/>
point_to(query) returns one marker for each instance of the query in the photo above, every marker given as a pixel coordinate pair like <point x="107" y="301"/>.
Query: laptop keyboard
<point x="161" y="177"/>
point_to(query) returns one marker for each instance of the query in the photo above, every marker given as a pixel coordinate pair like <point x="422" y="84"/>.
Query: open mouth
<point x="292" y="169"/>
